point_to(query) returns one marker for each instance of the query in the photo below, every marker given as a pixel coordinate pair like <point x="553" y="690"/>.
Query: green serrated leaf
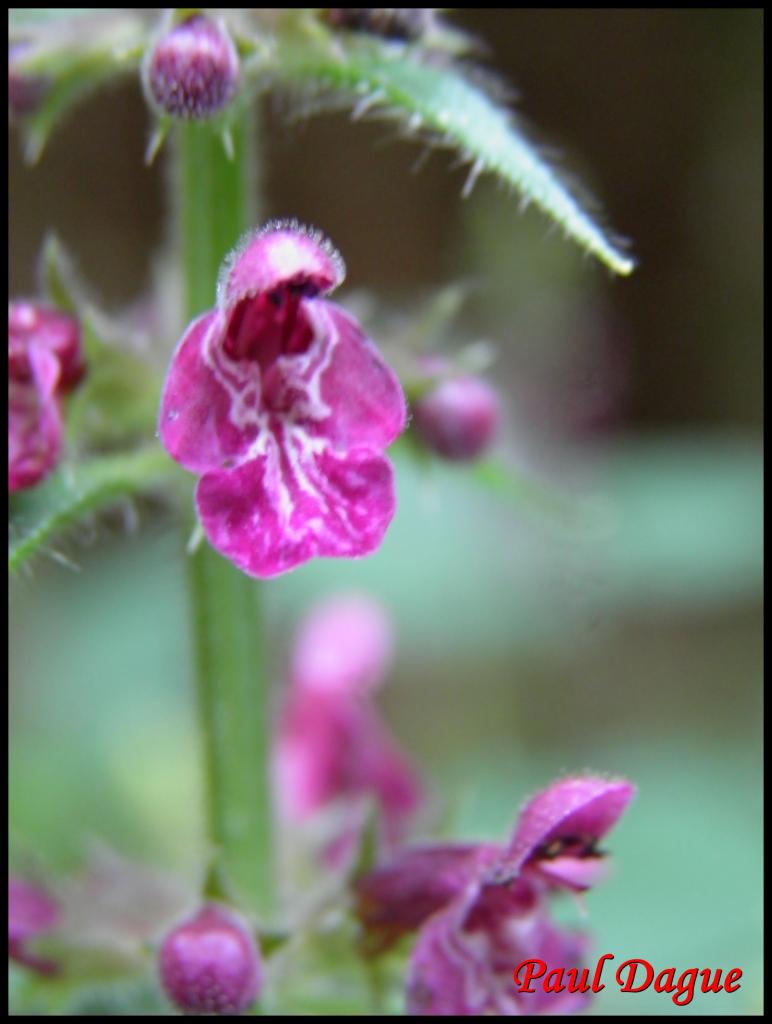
<point x="72" y="492"/>
<point x="439" y="103"/>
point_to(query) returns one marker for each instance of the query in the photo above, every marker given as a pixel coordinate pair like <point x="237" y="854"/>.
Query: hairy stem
<point x="215" y="199"/>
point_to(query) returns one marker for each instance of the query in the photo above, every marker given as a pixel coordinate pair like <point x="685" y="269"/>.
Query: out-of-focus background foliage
<point x="527" y="650"/>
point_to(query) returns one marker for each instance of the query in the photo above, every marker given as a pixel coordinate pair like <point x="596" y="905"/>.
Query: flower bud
<point x="25" y="91"/>
<point x="211" y="963"/>
<point x="457" y="418"/>
<point x="193" y="69"/>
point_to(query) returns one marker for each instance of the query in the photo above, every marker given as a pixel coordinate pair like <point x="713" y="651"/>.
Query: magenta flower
<point x="45" y="361"/>
<point x="332" y="745"/>
<point x="211" y="963"/>
<point x="481" y="910"/>
<point x="284" y="407"/>
<point x="31" y="912"/>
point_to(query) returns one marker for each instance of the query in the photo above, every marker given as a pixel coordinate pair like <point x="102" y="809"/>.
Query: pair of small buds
<point x="192" y="69"/>
<point x="211" y="964"/>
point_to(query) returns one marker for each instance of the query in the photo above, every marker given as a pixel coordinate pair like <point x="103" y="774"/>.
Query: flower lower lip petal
<point x="271" y="513"/>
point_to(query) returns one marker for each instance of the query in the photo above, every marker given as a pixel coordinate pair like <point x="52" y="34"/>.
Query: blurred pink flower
<point x="332" y="744"/>
<point x="481" y="910"/>
<point x="45" y="361"/>
<point x="344" y="646"/>
<point x="284" y="407"/>
<point x="31" y="912"/>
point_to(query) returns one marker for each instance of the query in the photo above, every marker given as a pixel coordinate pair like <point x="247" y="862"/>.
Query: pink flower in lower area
<point x="284" y="407"/>
<point x="481" y="910"/>
<point x="31" y="912"/>
<point x="45" y="361"/>
<point x="332" y="744"/>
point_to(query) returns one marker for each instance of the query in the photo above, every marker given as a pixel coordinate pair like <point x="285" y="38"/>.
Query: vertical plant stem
<point x="215" y="202"/>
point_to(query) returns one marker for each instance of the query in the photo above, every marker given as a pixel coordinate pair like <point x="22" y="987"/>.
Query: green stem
<point x="232" y="691"/>
<point x="214" y="197"/>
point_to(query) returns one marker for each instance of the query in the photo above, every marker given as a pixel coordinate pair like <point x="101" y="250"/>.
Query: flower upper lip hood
<point x="284" y="406"/>
<point x="558" y="830"/>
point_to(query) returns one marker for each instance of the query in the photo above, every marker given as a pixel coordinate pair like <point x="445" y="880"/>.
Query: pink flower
<point x="284" y="407"/>
<point x="211" y="963"/>
<point x="481" y="910"/>
<point x="465" y="956"/>
<point x="31" y="912"/>
<point x="332" y="745"/>
<point x="45" y="361"/>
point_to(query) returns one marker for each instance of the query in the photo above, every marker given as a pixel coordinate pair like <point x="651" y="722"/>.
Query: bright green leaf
<point x="437" y="102"/>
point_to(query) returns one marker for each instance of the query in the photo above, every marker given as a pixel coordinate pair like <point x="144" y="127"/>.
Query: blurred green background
<point x="630" y="644"/>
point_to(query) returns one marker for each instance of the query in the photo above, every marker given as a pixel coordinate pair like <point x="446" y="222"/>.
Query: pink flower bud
<point x="31" y="912"/>
<point x="211" y="964"/>
<point x="193" y="69"/>
<point x="458" y="418"/>
<point x="25" y="91"/>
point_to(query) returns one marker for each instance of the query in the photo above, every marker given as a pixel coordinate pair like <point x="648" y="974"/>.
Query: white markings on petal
<point x="291" y="451"/>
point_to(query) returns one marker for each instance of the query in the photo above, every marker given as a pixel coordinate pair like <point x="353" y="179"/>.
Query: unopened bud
<point x="457" y="418"/>
<point x="193" y="69"/>
<point x="25" y="91"/>
<point x="211" y="963"/>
